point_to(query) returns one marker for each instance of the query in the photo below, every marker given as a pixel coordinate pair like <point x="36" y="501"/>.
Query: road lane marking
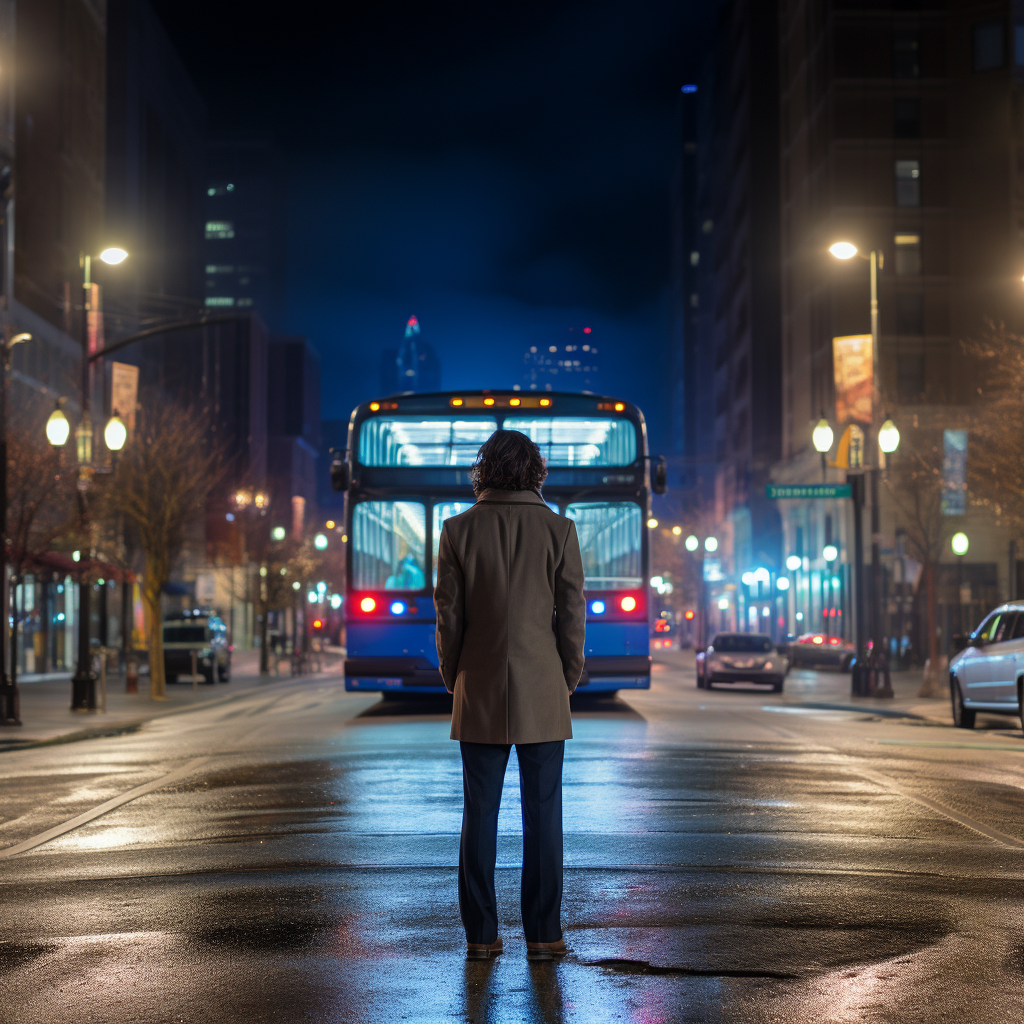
<point x="986" y="830"/>
<point x="96" y="812"/>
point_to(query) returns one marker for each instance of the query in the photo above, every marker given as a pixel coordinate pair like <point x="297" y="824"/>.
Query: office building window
<point x="219" y="300"/>
<point x="1018" y="45"/>
<point x="908" y="183"/>
<point x="220" y="229"/>
<point x="988" y="46"/>
<point x="909" y="376"/>
<point x="908" y="254"/>
<point x="906" y="117"/>
<point x="910" y="313"/>
<point x="906" y="55"/>
<point x="219" y="268"/>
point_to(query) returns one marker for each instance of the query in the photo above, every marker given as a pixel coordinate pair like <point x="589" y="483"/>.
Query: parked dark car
<point x="816" y="650"/>
<point x="204" y="633"/>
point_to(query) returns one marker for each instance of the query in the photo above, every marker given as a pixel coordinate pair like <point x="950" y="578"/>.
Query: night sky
<point x="501" y="172"/>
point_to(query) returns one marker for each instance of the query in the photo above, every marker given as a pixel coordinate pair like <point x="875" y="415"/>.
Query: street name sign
<point x="776" y="491"/>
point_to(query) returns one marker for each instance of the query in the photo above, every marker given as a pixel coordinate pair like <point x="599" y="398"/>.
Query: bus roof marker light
<point x="374" y="406"/>
<point x="545" y="402"/>
<point x="488" y="401"/>
<point x="456" y="402"/>
<point x="628" y="603"/>
<point x="597" y="607"/>
<point x="515" y="401"/>
<point x="397" y="607"/>
<point x="620" y="406"/>
<point x="368" y="604"/>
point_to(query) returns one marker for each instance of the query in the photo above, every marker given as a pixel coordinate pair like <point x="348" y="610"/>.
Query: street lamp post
<point x="959" y="543"/>
<point x="83" y="682"/>
<point x="821" y="438"/>
<point x="830" y="553"/>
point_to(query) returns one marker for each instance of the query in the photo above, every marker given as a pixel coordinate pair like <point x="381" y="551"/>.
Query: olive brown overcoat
<point x="511" y="619"/>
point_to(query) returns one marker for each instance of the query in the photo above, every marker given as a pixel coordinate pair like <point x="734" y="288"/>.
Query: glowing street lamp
<point x="58" y="430"/>
<point x="320" y="542"/>
<point x="843" y="250"/>
<point x="830" y="552"/>
<point x="711" y="544"/>
<point x="691" y="543"/>
<point x="115" y="434"/>
<point x="888" y="437"/>
<point x="114" y="255"/>
<point x="959" y="544"/>
<point x="793" y="563"/>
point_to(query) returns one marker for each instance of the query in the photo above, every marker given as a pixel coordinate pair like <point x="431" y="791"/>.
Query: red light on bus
<point x="688" y="614"/>
<point x="628" y="603"/>
<point x="368" y="604"/>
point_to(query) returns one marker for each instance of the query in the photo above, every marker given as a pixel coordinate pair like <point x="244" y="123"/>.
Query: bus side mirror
<point x="339" y="470"/>
<point x="659" y="478"/>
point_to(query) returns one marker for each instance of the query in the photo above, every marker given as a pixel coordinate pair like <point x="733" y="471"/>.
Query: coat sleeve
<point x="449" y="601"/>
<point x="570" y="609"/>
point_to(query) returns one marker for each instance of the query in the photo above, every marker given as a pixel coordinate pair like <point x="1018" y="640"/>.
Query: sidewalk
<point x="831" y="690"/>
<point x="47" y="718"/>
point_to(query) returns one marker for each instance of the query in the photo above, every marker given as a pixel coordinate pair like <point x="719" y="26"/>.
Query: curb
<point x="869" y="709"/>
<point x="8" y="745"/>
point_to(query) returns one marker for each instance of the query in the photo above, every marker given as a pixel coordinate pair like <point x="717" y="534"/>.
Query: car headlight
<point x="767" y="666"/>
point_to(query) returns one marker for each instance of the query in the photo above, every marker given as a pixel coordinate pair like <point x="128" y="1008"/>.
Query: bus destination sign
<point x="776" y="491"/>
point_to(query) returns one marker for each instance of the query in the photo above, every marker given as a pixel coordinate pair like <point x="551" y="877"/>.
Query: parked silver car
<point x="987" y="675"/>
<point x="741" y="658"/>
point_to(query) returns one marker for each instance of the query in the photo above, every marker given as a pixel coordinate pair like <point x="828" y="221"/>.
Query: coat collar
<point x="493" y="496"/>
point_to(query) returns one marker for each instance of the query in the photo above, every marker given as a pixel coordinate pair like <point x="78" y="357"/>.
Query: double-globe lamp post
<point x="83" y="682"/>
<point x="692" y="543"/>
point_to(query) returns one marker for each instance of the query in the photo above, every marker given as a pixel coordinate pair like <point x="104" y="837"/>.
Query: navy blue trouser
<point x="540" y="791"/>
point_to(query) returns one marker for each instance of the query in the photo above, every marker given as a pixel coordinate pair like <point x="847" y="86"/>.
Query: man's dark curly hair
<point x="508" y="461"/>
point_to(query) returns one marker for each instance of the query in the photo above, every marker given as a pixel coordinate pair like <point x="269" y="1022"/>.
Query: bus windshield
<point x="449" y="441"/>
<point x="610" y="537"/>
<point x="424" y="441"/>
<point x="389" y="541"/>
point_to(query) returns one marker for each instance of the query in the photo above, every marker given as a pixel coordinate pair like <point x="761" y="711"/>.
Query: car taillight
<point x="367" y="604"/>
<point x="834" y="640"/>
<point x="817" y="640"/>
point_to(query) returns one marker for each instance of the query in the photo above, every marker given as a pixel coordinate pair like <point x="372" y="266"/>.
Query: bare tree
<point x="159" y="485"/>
<point x="915" y="484"/>
<point x="996" y="461"/>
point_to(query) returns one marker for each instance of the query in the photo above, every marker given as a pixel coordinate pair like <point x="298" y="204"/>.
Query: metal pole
<point x="10" y="706"/>
<point x="195" y="670"/>
<point x="859" y="677"/>
<point x="83" y="682"/>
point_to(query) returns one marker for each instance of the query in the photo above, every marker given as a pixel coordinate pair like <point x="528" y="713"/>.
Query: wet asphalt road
<point x="290" y="856"/>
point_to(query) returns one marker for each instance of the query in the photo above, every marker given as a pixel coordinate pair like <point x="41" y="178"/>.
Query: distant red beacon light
<point x="586" y="330"/>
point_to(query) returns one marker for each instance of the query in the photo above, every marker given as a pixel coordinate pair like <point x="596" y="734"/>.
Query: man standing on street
<point x="510" y="628"/>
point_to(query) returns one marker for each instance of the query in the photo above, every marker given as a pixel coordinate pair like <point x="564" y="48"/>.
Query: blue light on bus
<point x="397" y="607"/>
<point x="597" y="607"/>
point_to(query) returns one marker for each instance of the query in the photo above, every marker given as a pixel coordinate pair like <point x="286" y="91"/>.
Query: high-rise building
<point x="155" y="173"/>
<point x="413" y="366"/>
<point x="900" y="134"/>
<point x="725" y="288"/>
<point x="570" y="361"/>
<point x="243" y="227"/>
<point x="293" y="423"/>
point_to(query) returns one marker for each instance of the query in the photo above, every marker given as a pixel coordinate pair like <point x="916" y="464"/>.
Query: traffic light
<point x="688" y="614"/>
<point x="318" y="624"/>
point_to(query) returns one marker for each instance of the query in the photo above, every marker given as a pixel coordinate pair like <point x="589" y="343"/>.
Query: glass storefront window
<point x="610" y="535"/>
<point x="579" y="441"/>
<point x="423" y="441"/>
<point x="389" y="540"/>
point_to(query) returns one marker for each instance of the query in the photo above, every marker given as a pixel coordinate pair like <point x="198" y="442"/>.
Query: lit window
<point x="694" y="258"/>
<point x="244" y="302"/>
<point x="220" y="229"/>
<point x="908" y="183"/>
<point x="908" y="254"/>
<point x="1018" y="45"/>
<point x="219" y="300"/>
<point x="988" y="46"/>
<point x="219" y="268"/>
<point x="906" y="55"/>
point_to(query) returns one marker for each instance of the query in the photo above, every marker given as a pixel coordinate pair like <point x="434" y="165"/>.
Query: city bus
<point x="407" y="469"/>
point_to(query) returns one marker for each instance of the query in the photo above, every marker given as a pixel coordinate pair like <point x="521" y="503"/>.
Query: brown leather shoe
<point x="481" y="951"/>
<point x="545" y="950"/>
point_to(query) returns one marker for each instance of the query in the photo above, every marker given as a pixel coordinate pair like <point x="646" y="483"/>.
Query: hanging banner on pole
<point x="853" y="371"/>
<point x="954" y="472"/>
<point x="124" y="392"/>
